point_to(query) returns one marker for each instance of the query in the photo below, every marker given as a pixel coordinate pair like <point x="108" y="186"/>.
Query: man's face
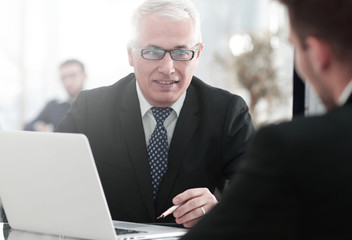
<point x="163" y="81"/>
<point x="72" y="78"/>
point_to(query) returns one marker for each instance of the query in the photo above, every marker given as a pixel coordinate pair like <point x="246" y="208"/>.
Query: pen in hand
<point x="169" y="211"/>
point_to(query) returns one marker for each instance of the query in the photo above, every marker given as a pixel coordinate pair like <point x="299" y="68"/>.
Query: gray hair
<point x="172" y="9"/>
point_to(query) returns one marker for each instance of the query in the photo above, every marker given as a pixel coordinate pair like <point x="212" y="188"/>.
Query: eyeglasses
<point x="158" y="54"/>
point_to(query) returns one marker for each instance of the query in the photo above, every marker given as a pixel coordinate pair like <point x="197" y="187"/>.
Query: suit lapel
<point x="185" y="127"/>
<point x="135" y="141"/>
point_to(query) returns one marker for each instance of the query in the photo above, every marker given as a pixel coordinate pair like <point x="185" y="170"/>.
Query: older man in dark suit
<point x="297" y="180"/>
<point x="160" y="136"/>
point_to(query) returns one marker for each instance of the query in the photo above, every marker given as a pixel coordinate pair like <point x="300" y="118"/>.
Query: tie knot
<point x="161" y="113"/>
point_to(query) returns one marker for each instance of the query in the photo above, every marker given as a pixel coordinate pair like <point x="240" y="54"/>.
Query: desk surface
<point x="8" y="234"/>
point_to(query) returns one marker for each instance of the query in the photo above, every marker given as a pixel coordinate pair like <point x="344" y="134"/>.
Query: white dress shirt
<point x="149" y="121"/>
<point x="345" y="94"/>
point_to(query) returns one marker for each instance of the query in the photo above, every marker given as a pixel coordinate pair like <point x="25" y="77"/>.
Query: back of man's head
<point x="327" y="19"/>
<point x="177" y="10"/>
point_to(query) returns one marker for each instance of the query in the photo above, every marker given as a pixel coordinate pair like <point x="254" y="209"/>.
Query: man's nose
<point x="167" y="64"/>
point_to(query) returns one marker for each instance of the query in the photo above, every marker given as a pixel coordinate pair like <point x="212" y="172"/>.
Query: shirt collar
<point x="145" y="105"/>
<point x="345" y="94"/>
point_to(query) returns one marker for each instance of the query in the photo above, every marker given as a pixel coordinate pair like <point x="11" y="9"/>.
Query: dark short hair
<point x="73" y="61"/>
<point x="329" y="20"/>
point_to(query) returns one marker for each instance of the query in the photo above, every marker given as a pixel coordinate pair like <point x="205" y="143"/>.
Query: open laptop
<point x="49" y="184"/>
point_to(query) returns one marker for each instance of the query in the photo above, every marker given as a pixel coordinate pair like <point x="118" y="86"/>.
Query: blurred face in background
<point x="73" y="79"/>
<point x="163" y="81"/>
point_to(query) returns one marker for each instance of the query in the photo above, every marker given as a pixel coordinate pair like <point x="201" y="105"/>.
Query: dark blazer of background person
<point x="52" y="113"/>
<point x="2" y="214"/>
<point x="209" y="140"/>
<point x="296" y="183"/>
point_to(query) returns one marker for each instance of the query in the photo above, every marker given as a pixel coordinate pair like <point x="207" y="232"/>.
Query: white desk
<point x="7" y="234"/>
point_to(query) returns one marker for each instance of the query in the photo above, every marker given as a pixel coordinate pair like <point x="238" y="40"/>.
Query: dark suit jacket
<point x="295" y="184"/>
<point x="52" y="113"/>
<point x="210" y="138"/>
<point x="2" y="214"/>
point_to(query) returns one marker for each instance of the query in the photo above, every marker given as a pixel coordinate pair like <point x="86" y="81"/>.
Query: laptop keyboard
<point x="121" y="231"/>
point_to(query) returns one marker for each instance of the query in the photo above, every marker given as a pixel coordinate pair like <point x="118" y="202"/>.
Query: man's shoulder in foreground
<point x="295" y="182"/>
<point x="334" y="124"/>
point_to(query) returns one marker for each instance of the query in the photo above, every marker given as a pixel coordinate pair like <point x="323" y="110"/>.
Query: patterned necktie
<point x="158" y="148"/>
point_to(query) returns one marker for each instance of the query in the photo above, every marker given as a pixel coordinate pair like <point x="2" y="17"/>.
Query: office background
<point x="246" y="52"/>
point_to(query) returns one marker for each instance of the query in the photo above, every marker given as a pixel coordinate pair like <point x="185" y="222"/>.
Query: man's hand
<point x="196" y="203"/>
<point x="41" y="126"/>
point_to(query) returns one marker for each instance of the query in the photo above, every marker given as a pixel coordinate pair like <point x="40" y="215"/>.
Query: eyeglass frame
<point x="140" y="50"/>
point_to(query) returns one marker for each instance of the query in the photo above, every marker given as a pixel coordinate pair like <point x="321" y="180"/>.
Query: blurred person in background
<point x="73" y="77"/>
<point x="297" y="180"/>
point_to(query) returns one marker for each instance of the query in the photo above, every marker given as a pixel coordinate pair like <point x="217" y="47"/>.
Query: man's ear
<point x="129" y="52"/>
<point x="200" y="49"/>
<point x="320" y="53"/>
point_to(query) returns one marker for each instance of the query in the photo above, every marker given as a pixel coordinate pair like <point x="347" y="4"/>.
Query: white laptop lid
<point x="33" y="166"/>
